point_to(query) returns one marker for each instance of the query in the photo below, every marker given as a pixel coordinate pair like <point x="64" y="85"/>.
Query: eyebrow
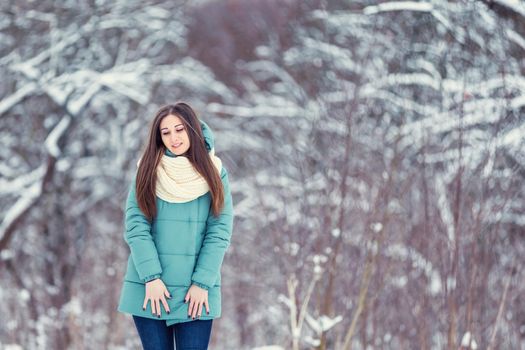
<point x="174" y="126"/>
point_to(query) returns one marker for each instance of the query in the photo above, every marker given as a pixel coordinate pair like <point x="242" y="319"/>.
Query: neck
<point x="171" y="154"/>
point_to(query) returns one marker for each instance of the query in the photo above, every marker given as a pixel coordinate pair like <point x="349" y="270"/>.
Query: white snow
<point x="22" y="204"/>
<point x="13" y="347"/>
<point x="24" y="295"/>
<point x="73" y="307"/>
<point x="419" y="262"/>
<point x="51" y="141"/>
<point x="323" y="323"/>
<point x="319" y="259"/>
<point x="280" y="108"/>
<point x="515" y="37"/>
<point x="398" y="6"/>
<point x="6" y="254"/>
<point x="8" y="102"/>
<point x="20" y="182"/>
<point x="517" y="6"/>
<point x="312" y="341"/>
<point x="291" y="248"/>
<point x="376" y="227"/>
<point x="468" y="342"/>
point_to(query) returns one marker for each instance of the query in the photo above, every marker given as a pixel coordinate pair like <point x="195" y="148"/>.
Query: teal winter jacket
<point x="183" y="245"/>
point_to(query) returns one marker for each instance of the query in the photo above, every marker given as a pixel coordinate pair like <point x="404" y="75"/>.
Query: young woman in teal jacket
<point x="178" y="224"/>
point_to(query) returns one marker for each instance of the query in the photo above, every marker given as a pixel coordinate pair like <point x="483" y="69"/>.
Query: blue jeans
<point x="155" y="335"/>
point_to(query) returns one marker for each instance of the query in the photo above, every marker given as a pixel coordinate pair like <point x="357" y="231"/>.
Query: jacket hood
<point x="208" y="139"/>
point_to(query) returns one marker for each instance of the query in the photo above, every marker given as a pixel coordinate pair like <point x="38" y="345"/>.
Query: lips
<point x="176" y="145"/>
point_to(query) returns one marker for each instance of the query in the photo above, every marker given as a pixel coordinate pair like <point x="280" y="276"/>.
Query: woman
<point x="178" y="220"/>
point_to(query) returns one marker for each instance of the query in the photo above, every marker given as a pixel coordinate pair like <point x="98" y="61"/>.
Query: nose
<point x="173" y="139"/>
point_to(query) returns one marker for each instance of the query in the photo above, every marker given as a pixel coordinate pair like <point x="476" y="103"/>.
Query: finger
<point x="195" y="310"/>
<point x="187" y="297"/>
<point x="167" y="294"/>
<point x="145" y="303"/>
<point x="190" y="310"/>
<point x="199" y="309"/>
<point x="157" y="305"/>
<point x="153" y="307"/>
<point x="207" y="306"/>
<point x="165" y="303"/>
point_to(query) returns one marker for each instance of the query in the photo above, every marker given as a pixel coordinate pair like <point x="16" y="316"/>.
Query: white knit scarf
<point x="178" y="181"/>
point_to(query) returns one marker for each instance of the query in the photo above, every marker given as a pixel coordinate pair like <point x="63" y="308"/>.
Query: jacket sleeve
<point x="138" y="236"/>
<point x="216" y="241"/>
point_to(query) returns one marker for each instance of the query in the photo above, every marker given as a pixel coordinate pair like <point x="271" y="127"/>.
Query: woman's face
<point x="174" y="134"/>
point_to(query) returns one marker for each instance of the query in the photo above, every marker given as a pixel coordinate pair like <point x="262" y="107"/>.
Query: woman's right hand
<point x="156" y="292"/>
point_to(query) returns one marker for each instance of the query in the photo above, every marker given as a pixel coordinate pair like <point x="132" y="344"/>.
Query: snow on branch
<point x="517" y="6"/>
<point x="275" y="71"/>
<point x="323" y="323"/>
<point x="20" y="182"/>
<point x="409" y="79"/>
<point x="415" y="7"/>
<point x="286" y="110"/>
<point x="16" y="97"/>
<point x="194" y="75"/>
<point x="418" y="262"/>
<point x="398" y="6"/>
<point x="516" y="38"/>
<point x="514" y="137"/>
<point x="128" y="80"/>
<point x="16" y="212"/>
<point x="51" y="141"/>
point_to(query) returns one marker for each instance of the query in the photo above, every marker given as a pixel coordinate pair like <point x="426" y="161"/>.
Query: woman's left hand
<point x="197" y="297"/>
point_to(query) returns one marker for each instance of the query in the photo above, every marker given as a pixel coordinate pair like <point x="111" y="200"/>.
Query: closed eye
<point x="176" y="130"/>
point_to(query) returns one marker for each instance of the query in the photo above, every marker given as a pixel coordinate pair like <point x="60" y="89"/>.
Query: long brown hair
<point x="197" y="154"/>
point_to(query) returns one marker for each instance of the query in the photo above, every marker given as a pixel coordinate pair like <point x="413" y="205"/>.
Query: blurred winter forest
<point x="376" y="153"/>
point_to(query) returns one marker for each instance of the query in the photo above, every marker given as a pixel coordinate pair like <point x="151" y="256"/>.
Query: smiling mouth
<point x="177" y="145"/>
